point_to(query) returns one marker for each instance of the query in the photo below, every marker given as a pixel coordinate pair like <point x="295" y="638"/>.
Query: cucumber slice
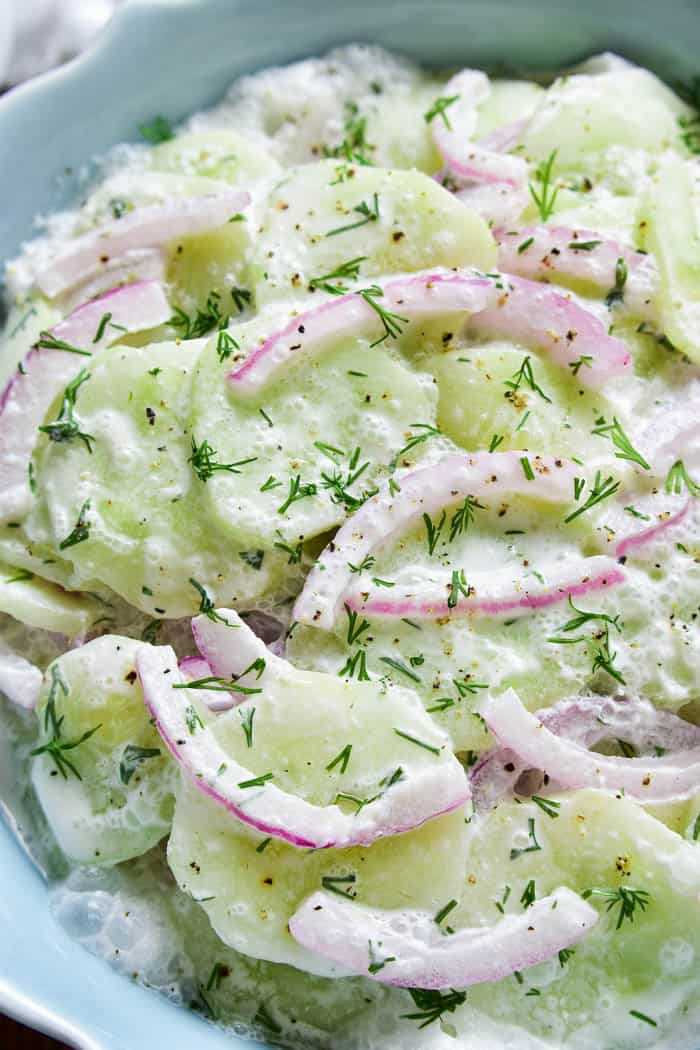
<point x="26" y="320"/>
<point x="581" y="116"/>
<point x="382" y="782"/>
<point x="670" y="223"/>
<point x="476" y="404"/>
<point x="509" y="101"/>
<point x="407" y="222"/>
<point x="306" y="425"/>
<point x="450" y="662"/>
<point x="109" y="797"/>
<point x="144" y="529"/>
<point x="249" y="890"/>
<point x="595" y="840"/>
<point x="223" y="155"/>
<point x="38" y="603"/>
<point x="197" y="267"/>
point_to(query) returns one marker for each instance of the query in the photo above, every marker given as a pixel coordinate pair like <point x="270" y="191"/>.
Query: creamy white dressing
<point x="154" y="526"/>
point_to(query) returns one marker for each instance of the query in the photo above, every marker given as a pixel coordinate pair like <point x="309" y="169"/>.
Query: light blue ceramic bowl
<point x="172" y="57"/>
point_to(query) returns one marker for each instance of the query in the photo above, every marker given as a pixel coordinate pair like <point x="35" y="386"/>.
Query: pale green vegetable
<point x="340" y="414"/>
<point x="581" y="116"/>
<point x="39" y="603"/>
<point x="450" y="661"/>
<point x="670" y="227"/>
<point x="509" y="101"/>
<point x="102" y="774"/>
<point x="26" y="320"/>
<point x="594" y="841"/>
<point x="223" y="155"/>
<point x="249" y="891"/>
<point x="132" y="513"/>
<point x="478" y="402"/>
<point x="401" y="221"/>
<point x="329" y="739"/>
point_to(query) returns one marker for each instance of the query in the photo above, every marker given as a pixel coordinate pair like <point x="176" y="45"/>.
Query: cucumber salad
<point x="349" y="558"/>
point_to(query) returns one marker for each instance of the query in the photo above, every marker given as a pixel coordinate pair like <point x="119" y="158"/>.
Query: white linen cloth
<point x="38" y="34"/>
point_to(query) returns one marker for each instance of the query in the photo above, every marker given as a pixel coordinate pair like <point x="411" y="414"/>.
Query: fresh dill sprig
<point x="203" y="322"/>
<point x="80" y="531"/>
<point x="580" y="618"/>
<point x="457" y="586"/>
<point x="132" y="757"/>
<point x="67" y="427"/>
<point x="624" y="898"/>
<point x="391" y="322"/>
<point x="677" y="477"/>
<point x="48" y="341"/>
<point x="57" y="746"/>
<point x="206" y="605"/>
<point x="297" y="490"/>
<point x="434" y="531"/>
<point x="600" y="490"/>
<point x="369" y="213"/>
<point x="332" y="282"/>
<point x="532" y="839"/>
<point x="439" y="109"/>
<point x="355" y="667"/>
<point x="604" y="657"/>
<point x="247" y="724"/>
<point x="354" y="148"/>
<point x="427" y="431"/>
<point x="204" y="463"/>
<point x="620" y="440"/>
<point x="157" y="130"/>
<point x="545" y="198"/>
<point x="617" y="292"/>
<point x="431" y="1004"/>
<point x="463" y="517"/>
<point x="341" y="759"/>
<point x="355" y="629"/>
<point x="526" y="375"/>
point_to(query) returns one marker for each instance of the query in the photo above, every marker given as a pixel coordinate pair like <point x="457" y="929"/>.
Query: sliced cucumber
<point x="324" y="418"/>
<point x="509" y="101"/>
<point x="670" y="226"/>
<point x="106" y="782"/>
<point x="223" y="155"/>
<point x="26" y="320"/>
<point x="582" y="115"/>
<point x="594" y="841"/>
<point x="477" y="405"/>
<point x="38" y="603"/>
<point x="449" y="662"/>
<point x="405" y="222"/>
<point x="250" y="887"/>
<point x="132" y="513"/>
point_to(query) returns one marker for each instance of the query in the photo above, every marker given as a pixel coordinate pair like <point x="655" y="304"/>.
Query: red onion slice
<point x="416" y="953"/>
<point x="421" y="295"/>
<point x="193" y="669"/>
<point x="535" y="315"/>
<point x="423" y="491"/>
<point x="149" y="227"/>
<point x="630" y="544"/>
<point x="142" y="264"/>
<point x="648" y="779"/>
<point x="453" y="136"/>
<point x="30" y="393"/>
<point x="541" y="252"/>
<point x="406" y="805"/>
<point x="493" y="593"/>
<point x="20" y="681"/>
<point x="584" y="721"/>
